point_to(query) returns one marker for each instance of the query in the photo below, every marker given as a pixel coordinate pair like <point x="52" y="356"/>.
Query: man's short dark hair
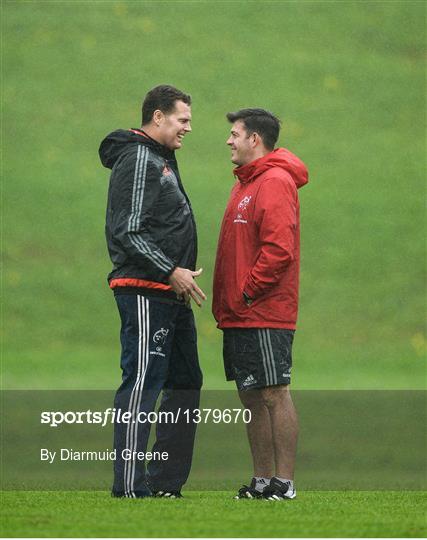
<point x="163" y="98"/>
<point x="258" y="121"/>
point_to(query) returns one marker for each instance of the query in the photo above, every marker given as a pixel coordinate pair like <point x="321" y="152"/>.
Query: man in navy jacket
<point x="152" y="242"/>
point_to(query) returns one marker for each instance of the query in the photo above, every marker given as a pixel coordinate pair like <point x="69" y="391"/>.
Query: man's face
<point x="175" y="125"/>
<point x="241" y="144"/>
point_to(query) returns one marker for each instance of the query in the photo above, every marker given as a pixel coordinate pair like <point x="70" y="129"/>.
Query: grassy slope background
<point x="347" y="80"/>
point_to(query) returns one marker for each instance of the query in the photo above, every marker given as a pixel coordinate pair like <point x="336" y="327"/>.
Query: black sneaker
<point x="168" y="494"/>
<point x="279" y="491"/>
<point x="249" y="492"/>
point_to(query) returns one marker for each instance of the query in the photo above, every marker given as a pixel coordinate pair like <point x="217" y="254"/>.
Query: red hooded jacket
<point x="259" y="246"/>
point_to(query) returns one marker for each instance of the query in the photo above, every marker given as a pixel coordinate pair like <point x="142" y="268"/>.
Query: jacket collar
<point x="153" y="144"/>
<point x="248" y="172"/>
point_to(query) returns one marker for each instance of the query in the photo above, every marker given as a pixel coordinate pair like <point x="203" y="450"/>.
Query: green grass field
<point x="215" y="514"/>
<point x="348" y="81"/>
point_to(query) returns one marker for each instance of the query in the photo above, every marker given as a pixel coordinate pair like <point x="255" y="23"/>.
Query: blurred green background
<point x="347" y="79"/>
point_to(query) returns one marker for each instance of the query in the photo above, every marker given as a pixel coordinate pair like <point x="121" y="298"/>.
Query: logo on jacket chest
<point x="168" y="180"/>
<point x="242" y="207"/>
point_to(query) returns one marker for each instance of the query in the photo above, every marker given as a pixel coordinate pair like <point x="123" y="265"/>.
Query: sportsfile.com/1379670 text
<point x="117" y="416"/>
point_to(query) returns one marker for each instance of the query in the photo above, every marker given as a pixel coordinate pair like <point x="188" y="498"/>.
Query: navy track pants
<point x="159" y="352"/>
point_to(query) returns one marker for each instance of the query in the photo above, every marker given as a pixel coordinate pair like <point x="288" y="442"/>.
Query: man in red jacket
<point x="255" y="297"/>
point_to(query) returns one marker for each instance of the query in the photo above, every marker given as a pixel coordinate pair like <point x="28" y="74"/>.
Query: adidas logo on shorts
<point x="249" y="380"/>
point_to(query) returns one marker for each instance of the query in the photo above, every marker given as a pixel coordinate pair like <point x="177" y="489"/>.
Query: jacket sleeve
<point x="137" y="189"/>
<point x="276" y="219"/>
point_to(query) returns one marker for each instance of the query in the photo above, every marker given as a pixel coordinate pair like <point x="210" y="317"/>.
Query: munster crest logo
<point x="244" y="203"/>
<point x="160" y="336"/>
<point x="241" y="210"/>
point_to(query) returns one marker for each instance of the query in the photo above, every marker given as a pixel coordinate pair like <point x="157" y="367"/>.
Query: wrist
<point x="171" y="272"/>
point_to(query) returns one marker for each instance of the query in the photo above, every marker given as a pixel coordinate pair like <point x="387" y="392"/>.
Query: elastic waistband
<point x="135" y="282"/>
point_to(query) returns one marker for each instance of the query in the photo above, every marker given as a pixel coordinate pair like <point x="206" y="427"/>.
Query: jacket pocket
<point x="239" y="304"/>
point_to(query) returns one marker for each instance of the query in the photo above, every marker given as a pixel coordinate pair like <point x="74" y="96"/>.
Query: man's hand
<point x="182" y="282"/>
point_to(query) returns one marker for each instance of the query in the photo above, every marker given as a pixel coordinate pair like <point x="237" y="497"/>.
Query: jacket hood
<point x="116" y="142"/>
<point x="280" y="157"/>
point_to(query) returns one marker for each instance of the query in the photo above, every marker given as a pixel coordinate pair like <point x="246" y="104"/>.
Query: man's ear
<point x="256" y="139"/>
<point x="158" y="117"/>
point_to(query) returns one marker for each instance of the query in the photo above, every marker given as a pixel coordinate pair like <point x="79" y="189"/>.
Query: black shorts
<point x="258" y="357"/>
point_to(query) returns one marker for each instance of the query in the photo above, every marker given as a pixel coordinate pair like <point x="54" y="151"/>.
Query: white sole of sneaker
<point x="276" y="498"/>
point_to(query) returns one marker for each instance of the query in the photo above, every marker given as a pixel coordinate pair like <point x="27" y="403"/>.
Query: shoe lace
<point x="248" y="489"/>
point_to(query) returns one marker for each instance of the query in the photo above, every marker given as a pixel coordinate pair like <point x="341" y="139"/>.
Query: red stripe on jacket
<point x="133" y="282"/>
